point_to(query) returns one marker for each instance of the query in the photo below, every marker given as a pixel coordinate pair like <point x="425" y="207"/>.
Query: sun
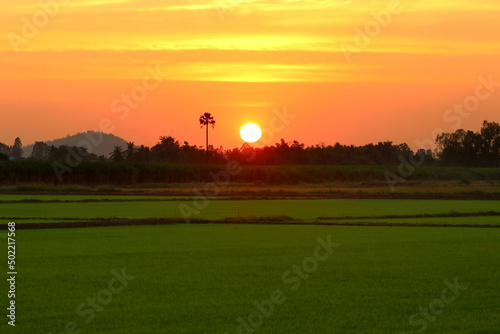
<point x="250" y="133"/>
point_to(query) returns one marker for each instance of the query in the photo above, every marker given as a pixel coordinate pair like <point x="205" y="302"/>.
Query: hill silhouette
<point x="109" y="141"/>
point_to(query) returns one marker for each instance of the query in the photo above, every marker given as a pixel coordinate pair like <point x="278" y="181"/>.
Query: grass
<point x="82" y="198"/>
<point x="201" y="278"/>
<point x="477" y="221"/>
<point x="220" y="209"/>
<point x="432" y="186"/>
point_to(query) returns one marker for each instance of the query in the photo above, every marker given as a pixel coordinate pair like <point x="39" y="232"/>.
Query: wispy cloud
<point x="268" y="40"/>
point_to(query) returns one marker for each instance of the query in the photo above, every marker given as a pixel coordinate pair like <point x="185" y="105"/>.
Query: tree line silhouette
<point x="459" y="148"/>
<point x="471" y="149"/>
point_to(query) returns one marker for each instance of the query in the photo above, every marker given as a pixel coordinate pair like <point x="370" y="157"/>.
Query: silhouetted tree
<point x="191" y="153"/>
<point x="58" y="153"/>
<point x="142" y="154"/>
<point x="205" y="120"/>
<point x="5" y="149"/>
<point x="72" y="153"/>
<point x="17" y="149"/>
<point x="117" y="154"/>
<point x="424" y="157"/>
<point x="490" y="148"/>
<point x="167" y="150"/>
<point x="130" y="152"/>
<point x="40" y="151"/>
<point x="468" y="148"/>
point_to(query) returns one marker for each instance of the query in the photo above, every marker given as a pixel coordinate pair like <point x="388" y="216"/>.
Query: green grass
<point x="20" y="198"/>
<point x="478" y="221"/>
<point x="220" y="209"/>
<point x="201" y="278"/>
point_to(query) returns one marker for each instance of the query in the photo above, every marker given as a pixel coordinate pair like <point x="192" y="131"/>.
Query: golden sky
<point x="353" y="71"/>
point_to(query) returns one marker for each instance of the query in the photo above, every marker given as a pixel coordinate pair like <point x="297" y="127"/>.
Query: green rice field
<point x="203" y="278"/>
<point x="269" y="275"/>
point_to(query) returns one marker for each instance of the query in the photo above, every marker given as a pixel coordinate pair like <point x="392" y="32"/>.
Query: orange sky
<point x="240" y="59"/>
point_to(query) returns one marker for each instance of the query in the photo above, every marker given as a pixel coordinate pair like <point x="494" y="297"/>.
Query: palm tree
<point x="117" y="154"/>
<point x="205" y="120"/>
<point x="130" y="151"/>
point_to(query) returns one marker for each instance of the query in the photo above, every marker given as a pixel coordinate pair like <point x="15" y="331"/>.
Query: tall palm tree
<point x="205" y="120"/>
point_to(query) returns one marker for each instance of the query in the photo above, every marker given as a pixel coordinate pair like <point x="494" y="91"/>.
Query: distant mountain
<point x="101" y="143"/>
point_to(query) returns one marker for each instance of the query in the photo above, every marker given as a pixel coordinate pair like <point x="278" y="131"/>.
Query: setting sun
<point x="250" y="132"/>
